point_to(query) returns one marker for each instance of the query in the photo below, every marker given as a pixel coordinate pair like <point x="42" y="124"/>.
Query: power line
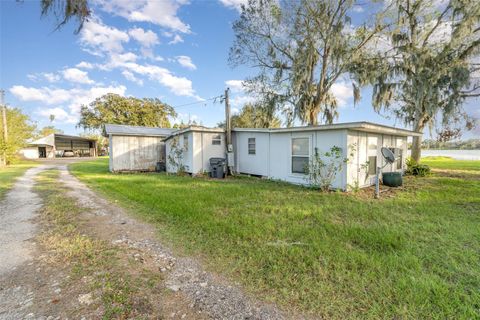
<point x="197" y="102"/>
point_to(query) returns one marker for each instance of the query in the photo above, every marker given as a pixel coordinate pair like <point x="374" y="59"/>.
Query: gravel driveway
<point x="203" y="292"/>
<point x="16" y="211"/>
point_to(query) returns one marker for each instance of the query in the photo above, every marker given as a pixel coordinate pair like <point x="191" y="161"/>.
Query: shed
<point x="60" y="145"/>
<point x="192" y="148"/>
<point x="283" y="153"/>
<point x="134" y="148"/>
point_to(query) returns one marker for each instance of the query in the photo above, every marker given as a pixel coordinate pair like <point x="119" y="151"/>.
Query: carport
<point x="60" y="145"/>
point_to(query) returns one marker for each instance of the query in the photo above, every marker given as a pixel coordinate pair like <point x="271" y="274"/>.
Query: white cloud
<point x="84" y="65"/>
<point x="235" y="85"/>
<point x="240" y="101"/>
<point x="186" y="61"/>
<point x="234" y="4"/>
<point x="146" y="38"/>
<point x="60" y="115"/>
<point x="179" y="86"/>
<point x="100" y="38"/>
<point x="176" y="39"/>
<point x="130" y="76"/>
<point x="50" y="77"/>
<point x="342" y="91"/>
<point x="72" y="98"/>
<point x="44" y="94"/>
<point x="119" y="60"/>
<point x="77" y="76"/>
<point x="162" y="13"/>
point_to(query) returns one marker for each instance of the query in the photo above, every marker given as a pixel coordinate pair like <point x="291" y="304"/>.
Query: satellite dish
<point x="388" y="155"/>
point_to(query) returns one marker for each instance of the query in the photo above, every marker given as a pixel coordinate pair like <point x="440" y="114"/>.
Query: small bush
<point x="416" y="169"/>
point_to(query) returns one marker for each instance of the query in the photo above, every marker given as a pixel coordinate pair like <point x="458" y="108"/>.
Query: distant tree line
<point x="470" y="144"/>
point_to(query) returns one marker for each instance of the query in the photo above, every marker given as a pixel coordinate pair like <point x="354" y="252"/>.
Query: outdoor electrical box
<point x="230" y="159"/>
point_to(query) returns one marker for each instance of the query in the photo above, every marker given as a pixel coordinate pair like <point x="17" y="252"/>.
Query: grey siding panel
<point x="134" y="153"/>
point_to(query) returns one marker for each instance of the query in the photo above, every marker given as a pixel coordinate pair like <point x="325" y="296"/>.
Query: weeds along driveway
<point x="88" y="258"/>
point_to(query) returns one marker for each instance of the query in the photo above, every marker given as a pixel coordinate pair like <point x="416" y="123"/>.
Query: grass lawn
<point x="450" y="163"/>
<point x="339" y="255"/>
<point x="10" y="173"/>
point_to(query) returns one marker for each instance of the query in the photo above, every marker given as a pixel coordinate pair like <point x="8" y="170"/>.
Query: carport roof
<point x="51" y="139"/>
<point x="124" y="130"/>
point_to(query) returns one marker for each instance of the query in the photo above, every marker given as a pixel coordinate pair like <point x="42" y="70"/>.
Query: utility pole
<point x="4" y="123"/>
<point x="228" y="122"/>
<point x="228" y="134"/>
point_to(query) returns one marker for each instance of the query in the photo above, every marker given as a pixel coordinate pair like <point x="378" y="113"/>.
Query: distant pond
<point x="456" y="154"/>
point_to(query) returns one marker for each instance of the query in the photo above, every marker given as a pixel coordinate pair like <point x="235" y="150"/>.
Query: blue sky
<point x="175" y="50"/>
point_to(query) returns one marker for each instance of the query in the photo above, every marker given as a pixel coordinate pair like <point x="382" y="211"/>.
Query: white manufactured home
<point x="133" y="148"/>
<point x="281" y="153"/>
<point x="284" y="153"/>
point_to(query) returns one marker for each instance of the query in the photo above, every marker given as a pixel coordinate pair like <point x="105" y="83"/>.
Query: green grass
<point x="10" y="173"/>
<point x="96" y="265"/>
<point x="415" y="255"/>
<point x="450" y="163"/>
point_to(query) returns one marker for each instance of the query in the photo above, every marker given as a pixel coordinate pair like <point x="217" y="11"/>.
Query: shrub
<point x="416" y="169"/>
<point x="322" y="168"/>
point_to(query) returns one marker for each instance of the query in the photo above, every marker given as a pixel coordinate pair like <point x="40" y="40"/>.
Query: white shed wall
<point x="135" y="153"/>
<point x="255" y="164"/>
<point x="204" y="150"/>
<point x="196" y="158"/>
<point x="29" y="152"/>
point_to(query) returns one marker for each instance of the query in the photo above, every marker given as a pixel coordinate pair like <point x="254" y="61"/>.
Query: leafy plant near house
<point x="416" y="169"/>
<point x="322" y="168"/>
<point x="175" y="156"/>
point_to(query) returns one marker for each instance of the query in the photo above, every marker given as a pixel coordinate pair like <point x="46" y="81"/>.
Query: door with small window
<point x="373" y="149"/>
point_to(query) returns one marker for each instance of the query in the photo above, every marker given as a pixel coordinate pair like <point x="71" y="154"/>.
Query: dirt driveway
<point x="30" y="288"/>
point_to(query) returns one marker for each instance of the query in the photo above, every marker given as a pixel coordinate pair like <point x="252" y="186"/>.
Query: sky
<point x="174" y="50"/>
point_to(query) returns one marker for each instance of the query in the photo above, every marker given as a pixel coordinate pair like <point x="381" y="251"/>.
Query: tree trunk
<point x="416" y="148"/>
<point x="417" y="143"/>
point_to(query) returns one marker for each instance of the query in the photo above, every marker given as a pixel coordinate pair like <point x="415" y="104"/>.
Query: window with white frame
<point x="300" y="154"/>
<point x="217" y="140"/>
<point x="251" y="146"/>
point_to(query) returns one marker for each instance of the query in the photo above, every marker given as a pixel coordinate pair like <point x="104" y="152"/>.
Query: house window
<point x="300" y="155"/>
<point x="251" y="146"/>
<point x="217" y="140"/>
<point x="372" y="165"/>
<point x="185" y="142"/>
